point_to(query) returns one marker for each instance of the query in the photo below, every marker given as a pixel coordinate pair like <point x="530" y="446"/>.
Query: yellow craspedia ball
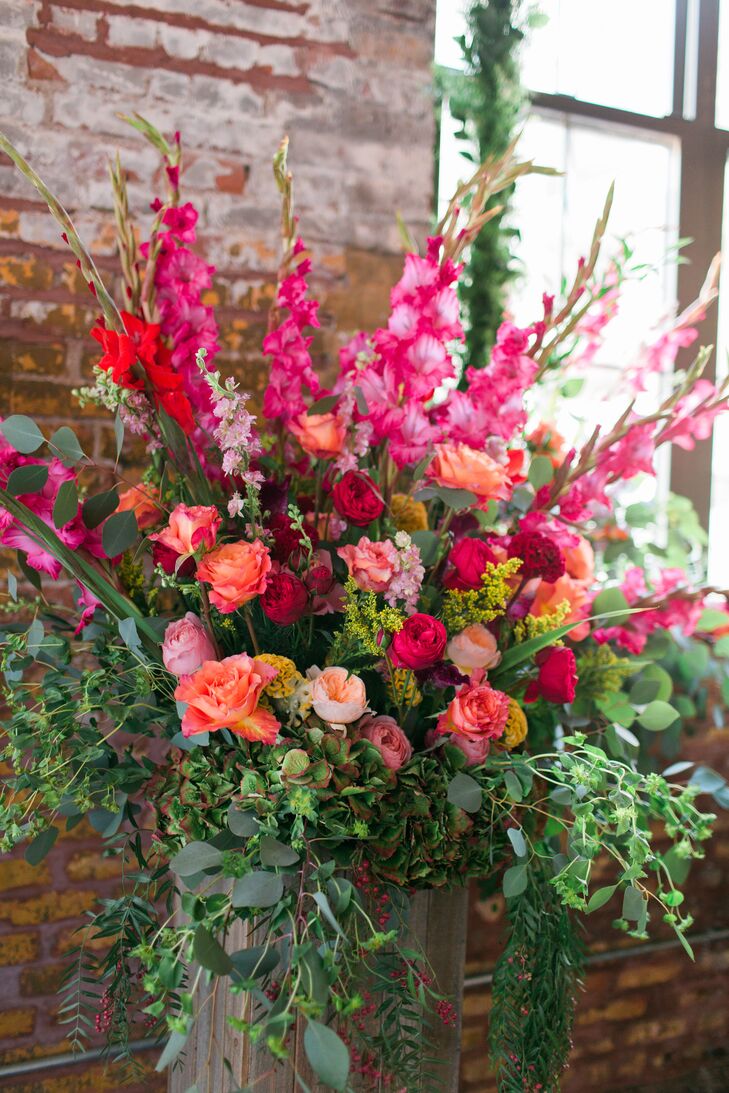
<point x="288" y="678"/>
<point x="516" y="726"/>
<point x="409" y="515"/>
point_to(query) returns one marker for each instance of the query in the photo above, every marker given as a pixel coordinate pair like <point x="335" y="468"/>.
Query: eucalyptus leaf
<point x="22" y="433"/>
<point x="120" y="533"/>
<point x="517" y="841"/>
<point x="453" y="498"/>
<point x="515" y="881"/>
<point x="172" y="1049"/>
<point x="465" y="792"/>
<point x="633" y="904"/>
<point x="257" y="889"/>
<point x="29" y="479"/>
<point x="275" y="853"/>
<point x="254" y="962"/>
<point x="41" y="845"/>
<point x="323" y="405"/>
<point x="513" y="786"/>
<point x="65" y="507"/>
<point x="118" y="434"/>
<point x="657" y="716"/>
<point x="195" y="858"/>
<point x="327" y="1054"/>
<point x="600" y="897"/>
<point x="96" y="509"/>
<point x="242" y="821"/>
<point x="210" y="953"/>
<point x="541" y="471"/>
<point x="64" y="444"/>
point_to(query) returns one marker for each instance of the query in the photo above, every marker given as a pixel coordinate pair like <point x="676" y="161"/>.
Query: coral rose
<point x="389" y="739"/>
<point x="467" y="564"/>
<point x="142" y="500"/>
<point x="321" y="435"/>
<point x="236" y="573"/>
<point x="357" y="499"/>
<point x="224" y="695"/>
<point x="190" y="528"/>
<point x="371" y="565"/>
<point x="474" y="647"/>
<point x="337" y="696"/>
<point x="419" y="644"/>
<point x="460" y="467"/>
<point x="285" y="598"/>
<point x="476" y="711"/>
<point x="186" y="645"/>
<point x="580" y="561"/>
<point x="550" y="596"/>
<point x="557" y="677"/>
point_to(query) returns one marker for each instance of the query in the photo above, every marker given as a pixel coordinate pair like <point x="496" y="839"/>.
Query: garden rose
<point x="467" y="563"/>
<point x="557" y="677"/>
<point x="236" y="572"/>
<point x="550" y="596"/>
<point x="389" y="739"/>
<point x="371" y="565"/>
<point x="580" y="561"/>
<point x="224" y="695"/>
<point x="190" y="528"/>
<point x="186" y="645"/>
<point x="475" y="749"/>
<point x="419" y="644"/>
<point x="337" y="696"/>
<point x="168" y="559"/>
<point x="142" y="500"/>
<point x="476" y="711"/>
<point x="285" y="598"/>
<point x="474" y="647"/>
<point x="321" y="435"/>
<point x="357" y="499"/>
<point x="460" y="467"/>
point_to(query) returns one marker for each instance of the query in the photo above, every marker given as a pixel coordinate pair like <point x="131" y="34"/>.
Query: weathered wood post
<point x="438" y="923"/>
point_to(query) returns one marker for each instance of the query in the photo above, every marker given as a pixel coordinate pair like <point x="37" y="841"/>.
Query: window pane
<point x="722" y="75"/>
<point x="618" y="54"/>
<point x="450" y="22"/>
<point x="719" y="519"/>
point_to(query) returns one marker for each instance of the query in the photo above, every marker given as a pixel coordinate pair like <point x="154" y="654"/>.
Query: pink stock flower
<point x="389" y="739"/>
<point x="88" y="603"/>
<point x="371" y="565"/>
<point x="186" y="645"/>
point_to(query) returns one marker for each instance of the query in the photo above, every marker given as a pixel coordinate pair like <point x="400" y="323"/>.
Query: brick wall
<point x="350" y="82"/>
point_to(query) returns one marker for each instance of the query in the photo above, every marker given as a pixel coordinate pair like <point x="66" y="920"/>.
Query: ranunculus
<point x="420" y="643"/>
<point x="190" y="528"/>
<point x="142" y="500"/>
<point x="557" y="677"/>
<point x="389" y="739"/>
<point x="286" y="538"/>
<point x="460" y="467"/>
<point x="371" y="565"/>
<point x="186" y="645"/>
<point x="321" y="435"/>
<point x="474" y="647"/>
<point x="475" y="749"/>
<point x="285" y="598"/>
<point x="236" y="573"/>
<point x="467" y="563"/>
<point x="337" y="696"/>
<point x="357" y="499"/>
<point x="224" y="695"/>
<point x="476" y="711"/>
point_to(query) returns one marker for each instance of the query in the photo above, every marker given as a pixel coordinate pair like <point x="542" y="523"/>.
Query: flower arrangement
<point x="355" y="647"/>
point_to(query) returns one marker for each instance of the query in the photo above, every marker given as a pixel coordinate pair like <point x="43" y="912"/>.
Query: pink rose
<point x="189" y="529"/>
<point x="337" y="696"/>
<point x="389" y="739"/>
<point x="475" y="750"/>
<point x="371" y="565"/>
<point x="474" y="647"/>
<point x="186" y="646"/>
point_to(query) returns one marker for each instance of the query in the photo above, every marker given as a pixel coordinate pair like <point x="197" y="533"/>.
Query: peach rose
<point x="224" y="694"/>
<point x="580" y="561"/>
<point x="550" y="595"/>
<point x="236" y="573"/>
<point x="186" y="645"/>
<point x="142" y="500"/>
<point x="371" y="565"/>
<point x="389" y="739"/>
<point x="189" y="529"/>
<point x="474" y="647"/>
<point x="476" y="711"/>
<point x="337" y="696"/>
<point x="321" y="435"/>
<point x="460" y="467"/>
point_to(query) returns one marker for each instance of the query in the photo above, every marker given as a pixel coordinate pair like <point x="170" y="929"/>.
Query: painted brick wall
<point x="350" y="82"/>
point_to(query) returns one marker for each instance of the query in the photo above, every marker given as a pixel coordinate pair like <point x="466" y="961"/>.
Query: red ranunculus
<point x="540" y="555"/>
<point x="357" y="499"/>
<point x="557" y="677"/>
<point x="467" y="564"/>
<point x="285" y="598"/>
<point x="420" y="644"/>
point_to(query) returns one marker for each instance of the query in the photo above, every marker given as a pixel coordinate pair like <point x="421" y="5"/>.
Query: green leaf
<point x="608" y="601"/>
<point x="453" y="498"/>
<point x="129" y="634"/>
<point x="96" y="509"/>
<point x="120" y="533"/>
<point x="572" y="387"/>
<point x="65" y="507"/>
<point x="708" y="780"/>
<point x="465" y="792"/>
<point x="359" y="397"/>
<point x="657" y="716"/>
<point x="427" y="543"/>
<point x="327" y="1054"/>
<point x="600" y="898"/>
<point x="541" y="471"/>
<point x="118" y="434"/>
<point x="257" y="889"/>
<point x="323" y="405"/>
<point x="242" y="822"/>
<point x="41" y="845"/>
<point x="721" y="649"/>
<point x="254" y="962"/>
<point x="22" y="433"/>
<point x="323" y="905"/>
<point x="275" y="853"/>
<point x="64" y="444"/>
<point x="513" y="786"/>
<point x="195" y="858"/>
<point x="633" y="904"/>
<point x="515" y="881"/>
<point x="210" y="953"/>
<point x="172" y="1049"/>
<point x="711" y="619"/>
<point x="517" y="841"/>
<point x="28" y="479"/>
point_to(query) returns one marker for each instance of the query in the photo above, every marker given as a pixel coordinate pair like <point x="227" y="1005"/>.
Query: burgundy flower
<point x="285" y="598"/>
<point x="467" y="564"/>
<point x="357" y="499"/>
<point x="540" y="555"/>
<point x="286" y="539"/>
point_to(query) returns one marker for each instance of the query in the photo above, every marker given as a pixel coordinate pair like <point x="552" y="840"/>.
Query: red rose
<point x="420" y="644"/>
<point x="167" y="558"/>
<point x="540" y="555"/>
<point x="285" y="598"/>
<point x="467" y="564"/>
<point x="357" y="499"/>
<point x="557" y="677"/>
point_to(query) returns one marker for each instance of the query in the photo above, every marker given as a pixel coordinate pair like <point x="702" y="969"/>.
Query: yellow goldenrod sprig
<point x="461" y="609"/>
